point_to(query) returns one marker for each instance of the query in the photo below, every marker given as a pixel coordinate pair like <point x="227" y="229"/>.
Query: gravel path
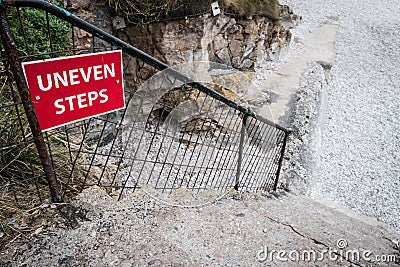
<point x="360" y="148"/>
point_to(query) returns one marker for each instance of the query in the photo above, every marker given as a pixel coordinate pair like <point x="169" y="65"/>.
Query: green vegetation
<point x="147" y="11"/>
<point x="34" y="23"/>
<point x="19" y="160"/>
<point x="20" y="167"/>
<point x="21" y="172"/>
<point x="19" y="157"/>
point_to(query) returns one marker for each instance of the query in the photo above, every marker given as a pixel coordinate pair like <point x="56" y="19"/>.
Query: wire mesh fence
<point x="175" y="133"/>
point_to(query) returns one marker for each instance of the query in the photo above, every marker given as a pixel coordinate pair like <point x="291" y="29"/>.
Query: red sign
<point x="70" y="89"/>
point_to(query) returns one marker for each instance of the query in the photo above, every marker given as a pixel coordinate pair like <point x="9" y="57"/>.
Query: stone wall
<point x="240" y="43"/>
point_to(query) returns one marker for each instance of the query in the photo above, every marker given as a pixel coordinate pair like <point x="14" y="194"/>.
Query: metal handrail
<point x="133" y="51"/>
<point x="38" y="138"/>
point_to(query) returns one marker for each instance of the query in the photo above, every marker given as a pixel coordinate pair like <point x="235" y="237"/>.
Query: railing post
<point x="278" y="171"/>
<point x="241" y="146"/>
<point x="16" y="67"/>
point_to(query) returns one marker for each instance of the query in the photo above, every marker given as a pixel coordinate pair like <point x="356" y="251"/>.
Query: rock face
<point x="240" y="43"/>
<point x="243" y="43"/>
<point x="234" y="41"/>
<point x="287" y="17"/>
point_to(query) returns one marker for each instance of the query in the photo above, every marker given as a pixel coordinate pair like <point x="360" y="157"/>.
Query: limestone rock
<point x="241" y="43"/>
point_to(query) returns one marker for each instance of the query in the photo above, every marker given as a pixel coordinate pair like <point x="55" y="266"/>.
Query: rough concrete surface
<point x="317" y="45"/>
<point x="233" y="232"/>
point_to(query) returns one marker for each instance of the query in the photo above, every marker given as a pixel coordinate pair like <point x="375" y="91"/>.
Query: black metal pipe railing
<point x="251" y="129"/>
<point x="133" y="51"/>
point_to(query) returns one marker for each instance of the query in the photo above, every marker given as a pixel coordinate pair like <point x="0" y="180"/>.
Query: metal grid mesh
<point x="198" y="142"/>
